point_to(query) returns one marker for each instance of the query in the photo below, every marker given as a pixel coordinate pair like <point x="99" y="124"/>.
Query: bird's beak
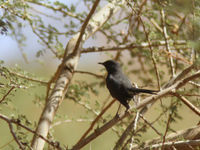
<point x="100" y="63"/>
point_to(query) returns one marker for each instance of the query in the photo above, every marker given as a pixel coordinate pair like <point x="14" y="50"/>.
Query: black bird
<point x="119" y="85"/>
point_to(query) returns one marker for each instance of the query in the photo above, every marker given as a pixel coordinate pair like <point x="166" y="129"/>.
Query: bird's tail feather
<point x="136" y="90"/>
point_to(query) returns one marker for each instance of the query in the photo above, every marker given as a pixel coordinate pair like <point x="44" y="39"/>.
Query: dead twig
<point x="187" y="103"/>
<point x="4" y="97"/>
<point x="150" y="124"/>
<point x="89" y="73"/>
<point x="166" y="41"/>
<point x="14" y="136"/>
<point x="166" y="130"/>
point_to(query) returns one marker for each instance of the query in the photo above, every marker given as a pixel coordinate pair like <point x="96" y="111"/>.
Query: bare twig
<point x="15" y="137"/>
<point x="180" y="76"/>
<point x="100" y="131"/>
<point x="150" y="124"/>
<point x="177" y="29"/>
<point x="187" y="103"/>
<point x="125" y="134"/>
<point x="28" y="78"/>
<point x="82" y="32"/>
<point x="134" y="128"/>
<point x="16" y="122"/>
<point x="150" y="46"/>
<point x="90" y="73"/>
<point x="136" y="120"/>
<point x="195" y="84"/>
<point x="86" y="106"/>
<point x="6" y="144"/>
<point x="42" y="39"/>
<point x="166" y="130"/>
<point x="166" y="41"/>
<point x="156" y="25"/>
<point x="180" y="144"/>
<point x="132" y="46"/>
<point x="144" y="126"/>
<point x="3" y="98"/>
<point x="70" y="120"/>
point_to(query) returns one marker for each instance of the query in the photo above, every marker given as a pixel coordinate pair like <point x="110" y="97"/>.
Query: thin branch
<point x="136" y="120"/>
<point x="144" y="126"/>
<point x="15" y="137"/>
<point x="188" y="134"/>
<point x="197" y="95"/>
<point x="130" y="129"/>
<point x="6" y="144"/>
<point x="86" y="106"/>
<point x="156" y="25"/>
<point x="95" y="121"/>
<point x="181" y="144"/>
<point x="70" y="120"/>
<point x="83" y="28"/>
<point x="28" y="78"/>
<point x="13" y="85"/>
<point x="125" y="134"/>
<point x="187" y="103"/>
<point x="150" y="124"/>
<point x="177" y="29"/>
<point x="175" y="86"/>
<point x="180" y="76"/>
<point x="166" y="130"/>
<point x="195" y="84"/>
<point x="90" y="73"/>
<point x="132" y="46"/>
<point x="42" y="39"/>
<point x="3" y="98"/>
<point x="166" y="41"/>
<point x="150" y="47"/>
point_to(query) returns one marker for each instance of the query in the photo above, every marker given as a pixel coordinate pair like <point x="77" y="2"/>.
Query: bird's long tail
<point x="137" y="91"/>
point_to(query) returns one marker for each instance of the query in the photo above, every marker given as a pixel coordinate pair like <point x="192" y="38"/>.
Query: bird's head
<point x="111" y="66"/>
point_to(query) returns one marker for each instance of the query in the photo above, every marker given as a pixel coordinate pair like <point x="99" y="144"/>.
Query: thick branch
<point x="66" y="69"/>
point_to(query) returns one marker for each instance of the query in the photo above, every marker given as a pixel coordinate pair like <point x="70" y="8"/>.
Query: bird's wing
<point x="124" y="81"/>
<point x="125" y="85"/>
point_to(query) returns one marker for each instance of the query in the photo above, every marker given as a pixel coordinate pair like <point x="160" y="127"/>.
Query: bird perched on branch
<point x="119" y="85"/>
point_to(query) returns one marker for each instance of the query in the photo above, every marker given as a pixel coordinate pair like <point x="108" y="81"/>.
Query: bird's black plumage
<point x="119" y="85"/>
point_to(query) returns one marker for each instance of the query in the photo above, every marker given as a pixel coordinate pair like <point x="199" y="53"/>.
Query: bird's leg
<point x="118" y="110"/>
